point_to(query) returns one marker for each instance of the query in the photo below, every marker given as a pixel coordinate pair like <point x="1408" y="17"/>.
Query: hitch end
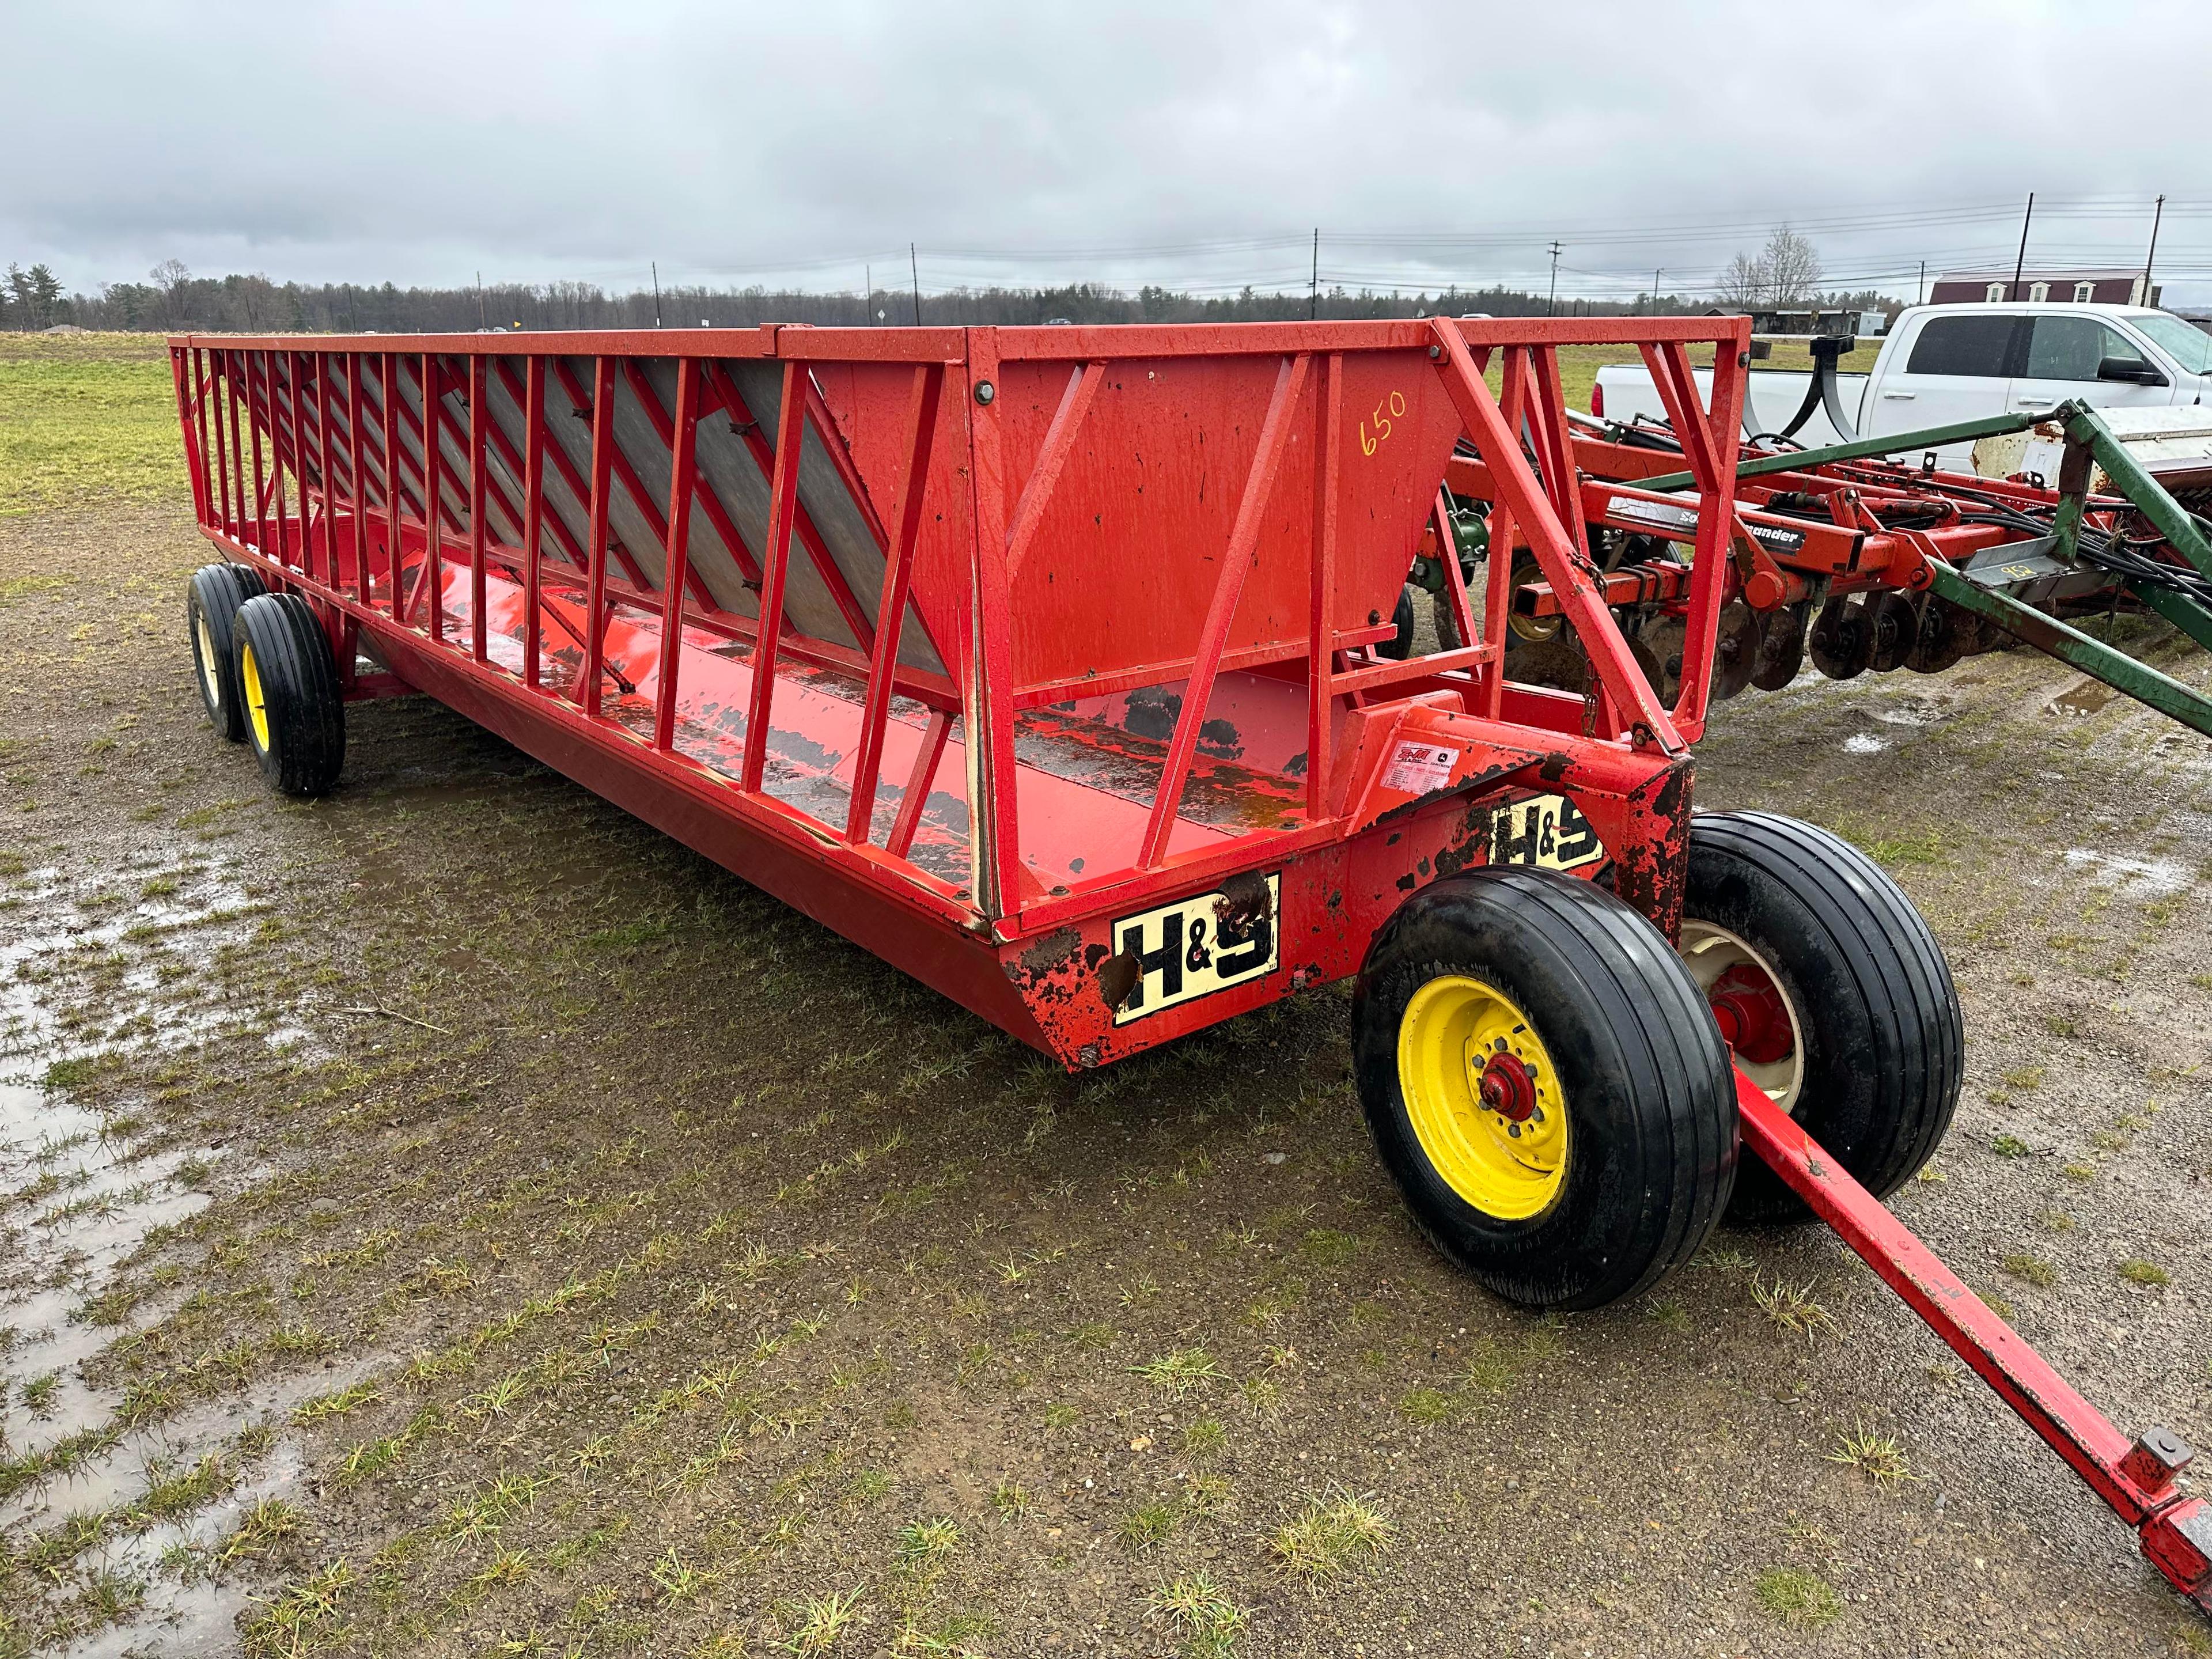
<point x="2178" y="1542"/>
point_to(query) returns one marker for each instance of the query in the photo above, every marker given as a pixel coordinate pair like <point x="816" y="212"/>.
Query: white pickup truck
<point x="1944" y="364"/>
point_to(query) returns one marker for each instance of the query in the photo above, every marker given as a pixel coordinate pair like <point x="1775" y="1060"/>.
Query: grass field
<point x="87" y="418"/>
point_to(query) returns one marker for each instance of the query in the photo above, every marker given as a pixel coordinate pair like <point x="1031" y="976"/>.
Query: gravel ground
<point x="450" y="1218"/>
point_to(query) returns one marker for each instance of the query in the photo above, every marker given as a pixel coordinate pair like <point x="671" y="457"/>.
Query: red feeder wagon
<point x="1050" y="665"/>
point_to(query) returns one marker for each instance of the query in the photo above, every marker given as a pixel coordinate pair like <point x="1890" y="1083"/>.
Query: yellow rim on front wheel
<point x="1483" y="1097"/>
<point x="257" y="706"/>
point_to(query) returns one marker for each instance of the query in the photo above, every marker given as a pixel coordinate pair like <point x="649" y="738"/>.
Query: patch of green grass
<point x="2136" y="1271"/>
<point x="75" y="1072"/>
<point x="2009" y="1146"/>
<point x="1175" y="1375"/>
<point x="921" y="1543"/>
<point x="1425" y="1404"/>
<point x="1151" y="1522"/>
<point x="1209" y="1619"/>
<point x="1335" y="1534"/>
<point x="1792" y="1307"/>
<point x="1878" y="1456"/>
<point x="91" y="417"/>
<point x="820" y="1623"/>
<point x="1800" y="1600"/>
<point x="1204" y="1437"/>
<point x="2032" y="1268"/>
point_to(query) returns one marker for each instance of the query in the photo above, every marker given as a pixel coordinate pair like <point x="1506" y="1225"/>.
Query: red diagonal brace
<point x="1564" y="562"/>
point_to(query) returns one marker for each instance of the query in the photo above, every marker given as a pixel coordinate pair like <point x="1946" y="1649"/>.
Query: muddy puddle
<point x="93" y="970"/>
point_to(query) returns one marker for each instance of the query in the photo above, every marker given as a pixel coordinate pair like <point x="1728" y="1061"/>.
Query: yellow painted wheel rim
<point x="210" y="672"/>
<point x="257" y="706"/>
<point x="1450" y="1032"/>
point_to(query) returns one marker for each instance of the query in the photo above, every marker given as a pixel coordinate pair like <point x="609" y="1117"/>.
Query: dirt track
<point x="558" y="1245"/>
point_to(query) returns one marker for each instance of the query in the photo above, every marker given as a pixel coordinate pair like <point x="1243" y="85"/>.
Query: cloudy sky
<point x="1026" y="140"/>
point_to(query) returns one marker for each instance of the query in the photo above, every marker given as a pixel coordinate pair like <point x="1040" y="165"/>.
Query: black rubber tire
<point x="1399" y="645"/>
<point x="302" y="743"/>
<point x="1652" y="1148"/>
<point x="211" y="600"/>
<point x="1882" y="1036"/>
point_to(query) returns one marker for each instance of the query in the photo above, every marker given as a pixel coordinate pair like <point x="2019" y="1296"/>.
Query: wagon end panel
<point x="1126" y="479"/>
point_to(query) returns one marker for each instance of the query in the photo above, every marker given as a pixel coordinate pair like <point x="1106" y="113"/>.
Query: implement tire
<point x="287" y="680"/>
<point x="1834" y="992"/>
<point x="211" y="600"/>
<point x="1545" y="1084"/>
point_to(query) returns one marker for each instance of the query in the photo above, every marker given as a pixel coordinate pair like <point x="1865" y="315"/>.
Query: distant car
<point x="1060" y="322"/>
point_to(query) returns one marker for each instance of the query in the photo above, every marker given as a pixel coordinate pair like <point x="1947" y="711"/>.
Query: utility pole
<point x="656" y="292"/>
<point x="1313" y="294"/>
<point x="1920" y="294"/>
<point x="2018" y="265"/>
<point x="1552" y="305"/>
<point x="914" y="265"/>
<point x="1656" y="274"/>
<point x="482" y="324"/>
<point x="868" y="295"/>
<point x="2157" y="214"/>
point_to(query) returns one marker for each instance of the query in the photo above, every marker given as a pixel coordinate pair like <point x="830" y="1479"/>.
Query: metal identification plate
<point x="1548" y="831"/>
<point x="1198" y="945"/>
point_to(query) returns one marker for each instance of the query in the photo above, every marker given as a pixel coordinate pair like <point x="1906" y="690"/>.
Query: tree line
<point x="172" y="299"/>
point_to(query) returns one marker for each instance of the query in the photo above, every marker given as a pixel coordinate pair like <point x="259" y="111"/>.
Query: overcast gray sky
<point x="1026" y="140"/>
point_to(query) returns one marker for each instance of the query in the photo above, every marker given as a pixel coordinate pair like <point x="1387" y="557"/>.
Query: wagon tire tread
<point x="1885" y="1035"/>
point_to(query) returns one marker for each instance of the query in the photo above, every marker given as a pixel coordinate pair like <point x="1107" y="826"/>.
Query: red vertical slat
<point x="479" y="419"/>
<point x="192" y="419"/>
<point x="783" y="511"/>
<point x="354" y="477"/>
<point x="387" y="374"/>
<point x="260" y="477"/>
<point x="433" y="578"/>
<point x="219" y="389"/>
<point x="1498" y="594"/>
<point x="995" y="853"/>
<point x="682" y="482"/>
<point x="533" y="515"/>
<point x="602" y="462"/>
<point x="1321" y="640"/>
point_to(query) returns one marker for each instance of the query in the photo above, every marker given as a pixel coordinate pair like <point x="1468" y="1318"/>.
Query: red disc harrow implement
<point x="1061" y="668"/>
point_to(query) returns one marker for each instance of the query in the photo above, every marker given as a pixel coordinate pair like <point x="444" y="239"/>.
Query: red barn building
<point x="2068" y="287"/>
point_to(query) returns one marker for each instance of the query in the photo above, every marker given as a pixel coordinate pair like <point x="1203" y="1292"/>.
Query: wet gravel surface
<point x="450" y="1218"/>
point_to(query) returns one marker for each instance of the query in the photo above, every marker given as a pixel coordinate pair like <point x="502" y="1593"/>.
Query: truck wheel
<point x="1832" y="992"/>
<point x="1544" y="1084"/>
<point x="211" y="600"/>
<point x="287" y="680"/>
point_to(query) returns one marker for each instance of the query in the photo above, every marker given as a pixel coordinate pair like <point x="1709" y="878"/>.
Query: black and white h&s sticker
<point x="1548" y="831"/>
<point x="1198" y="945"/>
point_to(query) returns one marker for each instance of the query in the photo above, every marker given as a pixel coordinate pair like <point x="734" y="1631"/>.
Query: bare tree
<point x="172" y="279"/>
<point x="1792" y="268"/>
<point x="1743" y="284"/>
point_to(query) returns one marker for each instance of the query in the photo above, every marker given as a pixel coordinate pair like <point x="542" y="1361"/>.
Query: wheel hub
<point x="1503" y="1086"/>
<point x="1752" y="1015"/>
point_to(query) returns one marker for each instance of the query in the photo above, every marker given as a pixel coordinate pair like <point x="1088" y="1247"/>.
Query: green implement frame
<point x="2088" y="440"/>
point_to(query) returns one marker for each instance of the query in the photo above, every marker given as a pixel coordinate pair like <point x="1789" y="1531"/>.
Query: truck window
<point x="1963" y="345"/>
<point x="2190" y="347"/>
<point x="2070" y="348"/>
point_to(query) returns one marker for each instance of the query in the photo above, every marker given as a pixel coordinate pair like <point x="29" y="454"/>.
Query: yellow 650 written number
<point x="1392" y="406"/>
